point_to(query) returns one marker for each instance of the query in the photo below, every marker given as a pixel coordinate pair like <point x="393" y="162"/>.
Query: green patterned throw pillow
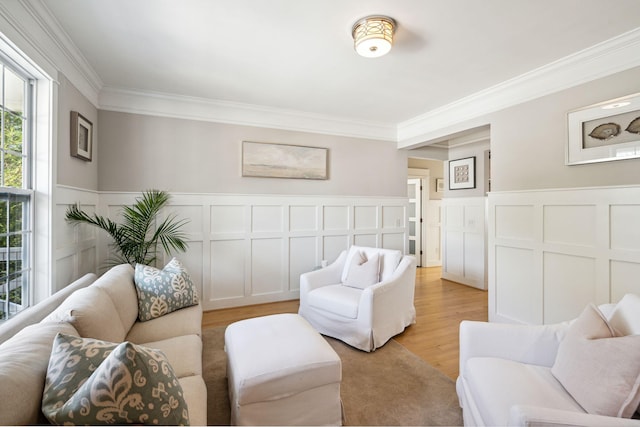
<point x="163" y="291"/>
<point x="92" y="382"/>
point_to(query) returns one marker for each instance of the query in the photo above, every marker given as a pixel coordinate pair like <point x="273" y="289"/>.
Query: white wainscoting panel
<point x="625" y="227"/>
<point x="336" y="217"/>
<point x="365" y="217"/>
<point x="569" y="284"/>
<point x="553" y="252"/>
<point x="303" y="218"/>
<point x="303" y="256"/>
<point x="621" y="271"/>
<point x="515" y="222"/>
<point x="464" y="241"/>
<point x="75" y="246"/>
<point x="267" y="219"/>
<point x="516" y="267"/>
<point x="570" y="225"/>
<point x="433" y="233"/>
<point x="227" y="219"/>
<point x="226" y="280"/>
<point x="250" y="249"/>
<point x="370" y="240"/>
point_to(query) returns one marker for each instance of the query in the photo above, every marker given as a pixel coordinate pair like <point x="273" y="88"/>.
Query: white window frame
<point x="24" y="193"/>
<point x="42" y="169"/>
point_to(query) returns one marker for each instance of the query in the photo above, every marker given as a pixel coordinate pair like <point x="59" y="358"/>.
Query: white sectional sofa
<point x="580" y="373"/>
<point x="104" y="308"/>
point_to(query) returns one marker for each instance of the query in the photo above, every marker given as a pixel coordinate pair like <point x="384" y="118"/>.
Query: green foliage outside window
<point x="12" y="210"/>
<point x="12" y="152"/>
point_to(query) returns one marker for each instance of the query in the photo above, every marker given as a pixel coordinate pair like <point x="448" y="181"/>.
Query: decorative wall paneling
<point x="433" y="232"/>
<point x="249" y="249"/>
<point x="464" y="241"/>
<point x="75" y="247"/>
<point x="553" y="252"/>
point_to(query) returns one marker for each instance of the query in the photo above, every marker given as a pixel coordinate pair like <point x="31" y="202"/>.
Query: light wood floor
<point x="440" y="305"/>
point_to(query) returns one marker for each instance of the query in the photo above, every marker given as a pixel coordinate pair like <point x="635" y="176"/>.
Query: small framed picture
<point x="439" y="185"/>
<point x="462" y="173"/>
<point x="81" y="136"/>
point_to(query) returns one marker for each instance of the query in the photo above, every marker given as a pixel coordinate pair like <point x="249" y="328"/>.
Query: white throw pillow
<point x="363" y="272"/>
<point x="625" y="318"/>
<point x="599" y="370"/>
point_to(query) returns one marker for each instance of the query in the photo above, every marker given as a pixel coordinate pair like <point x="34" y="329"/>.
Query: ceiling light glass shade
<point x="373" y="36"/>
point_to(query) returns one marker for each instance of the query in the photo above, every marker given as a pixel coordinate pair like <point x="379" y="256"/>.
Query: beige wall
<point x="139" y="152"/>
<point x="527" y="145"/>
<point x="477" y="150"/>
<point x="436" y="168"/>
<point x="71" y="170"/>
<point x="528" y="140"/>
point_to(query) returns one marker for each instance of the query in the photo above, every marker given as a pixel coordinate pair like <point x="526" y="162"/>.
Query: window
<point x="16" y="190"/>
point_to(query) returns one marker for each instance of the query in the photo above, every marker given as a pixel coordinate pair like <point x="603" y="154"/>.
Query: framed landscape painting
<point x="283" y="161"/>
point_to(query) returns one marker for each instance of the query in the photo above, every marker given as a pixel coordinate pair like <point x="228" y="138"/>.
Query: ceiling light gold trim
<point x="373" y="35"/>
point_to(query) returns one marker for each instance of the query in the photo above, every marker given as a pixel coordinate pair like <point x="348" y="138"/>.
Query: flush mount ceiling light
<point x="616" y="105"/>
<point x="373" y="36"/>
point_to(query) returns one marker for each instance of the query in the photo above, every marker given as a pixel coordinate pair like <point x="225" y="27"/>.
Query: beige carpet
<point x="390" y="386"/>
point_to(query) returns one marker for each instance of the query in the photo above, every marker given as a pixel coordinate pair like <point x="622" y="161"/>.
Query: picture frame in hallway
<point x="81" y="136"/>
<point x="604" y="132"/>
<point x="462" y="173"/>
<point x="266" y="160"/>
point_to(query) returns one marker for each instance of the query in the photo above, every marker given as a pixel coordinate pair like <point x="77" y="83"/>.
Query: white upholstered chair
<point x="355" y="306"/>
<point x="580" y="373"/>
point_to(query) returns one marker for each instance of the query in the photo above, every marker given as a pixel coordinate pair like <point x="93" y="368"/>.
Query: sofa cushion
<point x="23" y="366"/>
<point x="337" y="299"/>
<point x="601" y="371"/>
<point x="117" y="282"/>
<point x="498" y="384"/>
<point x="195" y="392"/>
<point x="163" y="291"/>
<point x="92" y="313"/>
<point x="363" y="272"/>
<point x="184" y="353"/>
<point x="187" y="321"/>
<point x="95" y="382"/>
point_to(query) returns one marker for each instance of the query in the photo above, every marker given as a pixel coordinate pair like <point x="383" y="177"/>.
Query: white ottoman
<point x="282" y="372"/>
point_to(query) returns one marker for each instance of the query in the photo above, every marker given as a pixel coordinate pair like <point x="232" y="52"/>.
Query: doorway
<point x="415" y="188"/>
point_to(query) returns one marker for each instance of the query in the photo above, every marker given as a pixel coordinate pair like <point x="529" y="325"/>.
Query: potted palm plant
<point x="137" y="238"/>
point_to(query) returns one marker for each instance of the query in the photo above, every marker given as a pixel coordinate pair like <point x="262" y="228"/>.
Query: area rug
<point x="390" y="386"/>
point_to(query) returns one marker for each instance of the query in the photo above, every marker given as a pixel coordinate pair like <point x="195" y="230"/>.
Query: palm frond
<point x="136" y="239"/>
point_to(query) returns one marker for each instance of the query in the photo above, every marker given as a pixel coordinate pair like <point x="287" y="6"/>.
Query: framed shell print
<point x="604" y="132"/>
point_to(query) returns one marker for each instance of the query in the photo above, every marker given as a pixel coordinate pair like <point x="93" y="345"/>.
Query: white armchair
<point x="508" y="373"/>
<point x="363" y="318"/>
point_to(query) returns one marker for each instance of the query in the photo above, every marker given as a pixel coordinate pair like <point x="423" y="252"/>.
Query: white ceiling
<point x="298" y="55"/>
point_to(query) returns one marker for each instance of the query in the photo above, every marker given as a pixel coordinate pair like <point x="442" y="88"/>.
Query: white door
<point x="414" y="191"/>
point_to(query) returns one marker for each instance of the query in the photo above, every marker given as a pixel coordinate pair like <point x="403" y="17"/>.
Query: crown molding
<point x="611" y="56"/>
<point x="67" y="56"/>
<point x="34" y="30"/>
<point x="209" y="110"/>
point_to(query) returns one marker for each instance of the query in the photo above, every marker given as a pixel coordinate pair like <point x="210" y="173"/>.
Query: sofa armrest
<point x="532" y="344"/>
<point x="400" y="287"/>
<point x="390" y="297"/>
<point x="329" y="275"/>
<point x="533" y="416"/>
<point x="41" y="310"/>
